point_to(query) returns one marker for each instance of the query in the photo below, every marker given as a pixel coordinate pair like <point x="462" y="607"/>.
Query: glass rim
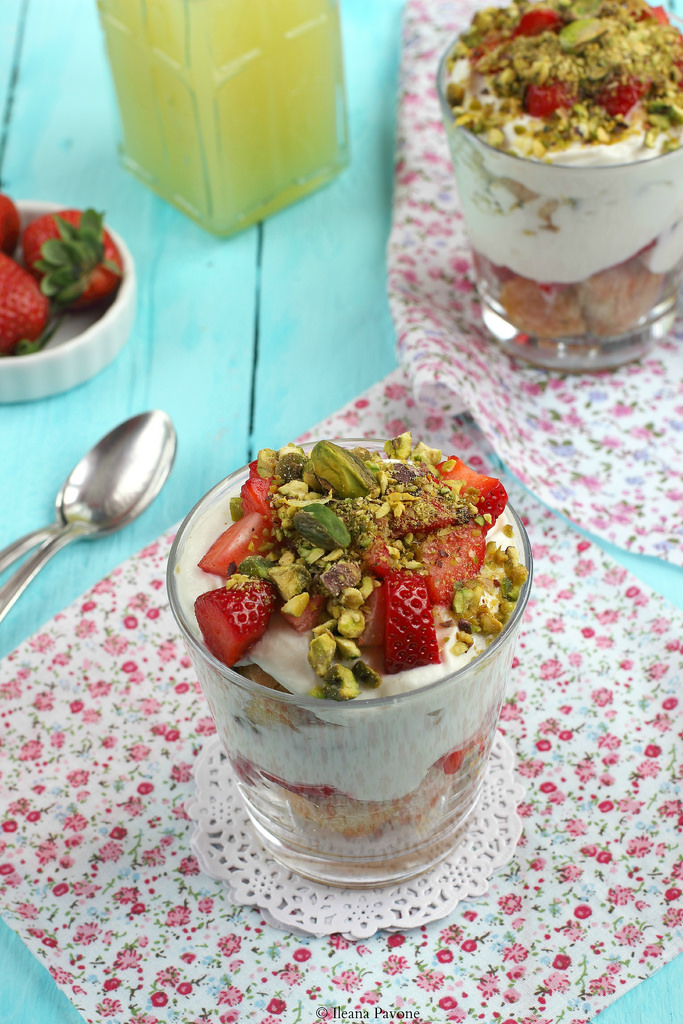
<point x="577" y="168"/>
<point x="304" y="700"/>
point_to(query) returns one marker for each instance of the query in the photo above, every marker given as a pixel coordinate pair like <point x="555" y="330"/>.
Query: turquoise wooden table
<point x="243" y="342"/>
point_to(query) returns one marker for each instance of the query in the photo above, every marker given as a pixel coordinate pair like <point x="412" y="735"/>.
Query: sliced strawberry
<point x="488" y="43"/>
<point x="239" y="540"/>
<point x="660" y="14"/>
<point x="426" y="515"/>
<point x="249" y="773"/>
<point x="254" y="493"/>
<point x="310" y="791"/>
<point x="232" y="620"/>
<point x="618" y="97"/>
<point x="410" y="634"/>
<point x="375" y="617"/>
<point x="544" y="100"/>
<point x="490" y="497"/>
<point x="452" y="761"/>
<point x="309" y="617"/>
<point x="538" y="19"/>
<point x="377" y="558"/>
<point x="450" y="557"/>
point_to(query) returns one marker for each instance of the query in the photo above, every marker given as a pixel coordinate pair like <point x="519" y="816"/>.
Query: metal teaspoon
<point x="105" y="491"/>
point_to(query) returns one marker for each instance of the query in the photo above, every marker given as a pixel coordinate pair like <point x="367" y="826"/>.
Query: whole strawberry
<point x="73" y="256"/>
<point x="9" y="225"/>
<point x="24" y="310"/>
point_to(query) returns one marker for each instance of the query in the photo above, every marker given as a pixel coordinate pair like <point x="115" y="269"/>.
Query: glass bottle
<point x="230" y="109"/>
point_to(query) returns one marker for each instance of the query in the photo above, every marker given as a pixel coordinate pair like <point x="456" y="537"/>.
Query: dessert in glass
<point x="351" y="611"/>
<point x="564" y="121"/>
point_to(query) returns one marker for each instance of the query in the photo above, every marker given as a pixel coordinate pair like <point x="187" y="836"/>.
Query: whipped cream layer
<point x="563" y="222"/>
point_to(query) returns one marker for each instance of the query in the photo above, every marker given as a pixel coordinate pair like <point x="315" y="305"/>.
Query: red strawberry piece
<point x="451" y="762"/>
<point x="660" y="14"/>
<point x="486" y="492"/>
<point x="309" y="791"/>
<point x="536" y="20"/>
<point x="255" y="491"/>
<point x="232" y="620"/>
<point x="375" y="616"/>
<point x="309" y="617"/>
<point x="544" y="100"/>
<point x="241" y="539"/>
<point x="450" y="557"/>
<point x="9" y="225"/>
<point x="618" y="97"/>
<point x="249" y="773"/>
<point x="488" y="43"/>
<point x="73" y="256"/>
<point x="377" y="558"/>
<point x="409" y="632"/>
<point x="426" y="515"/>
<point x="24" y="310"/>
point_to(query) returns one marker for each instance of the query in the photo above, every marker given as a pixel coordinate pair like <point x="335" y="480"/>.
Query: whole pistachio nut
<point x="341" y="470"/>
<point x="321" y="526"/>
<point x="579" y="33"/>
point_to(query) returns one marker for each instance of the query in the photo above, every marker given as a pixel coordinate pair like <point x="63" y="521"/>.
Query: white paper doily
<point x="228" y="849"/>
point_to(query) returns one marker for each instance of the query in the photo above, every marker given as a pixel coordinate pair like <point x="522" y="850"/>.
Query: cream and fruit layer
<point x="577" y="211"/>
<point x="372" y="751"/>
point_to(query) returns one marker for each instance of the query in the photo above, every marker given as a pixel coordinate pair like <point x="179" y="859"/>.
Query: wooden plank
<point x="325" y="328"/>
<point x="190" y="351"/>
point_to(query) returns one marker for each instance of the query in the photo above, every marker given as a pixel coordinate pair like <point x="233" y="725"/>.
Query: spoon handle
<point x="14" y="551"/>
<point x="18" y="582"/>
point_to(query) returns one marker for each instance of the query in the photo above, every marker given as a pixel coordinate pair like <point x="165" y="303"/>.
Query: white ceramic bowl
<point x="86" y="341"/>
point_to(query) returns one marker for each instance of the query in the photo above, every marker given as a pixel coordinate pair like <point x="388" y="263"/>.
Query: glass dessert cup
<point x="365" y="792"/>
<point x="578" y="267"/>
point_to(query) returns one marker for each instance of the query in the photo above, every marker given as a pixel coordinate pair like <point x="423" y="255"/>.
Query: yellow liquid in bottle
<point x="230" y="109"/>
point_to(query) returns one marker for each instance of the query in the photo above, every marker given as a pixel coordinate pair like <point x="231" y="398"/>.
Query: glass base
<point x="362" y="862"/>
<point x="583" y="353"/>
<point x="223" y="228"/>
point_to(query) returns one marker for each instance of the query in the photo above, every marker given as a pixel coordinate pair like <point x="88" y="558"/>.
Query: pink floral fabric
<point x="605" y="449"/>
<point x="102" y="723"/>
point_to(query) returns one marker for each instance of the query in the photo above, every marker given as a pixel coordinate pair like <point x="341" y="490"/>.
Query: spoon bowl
<point x="120" y="476"/>
<point x="110" y="486"/>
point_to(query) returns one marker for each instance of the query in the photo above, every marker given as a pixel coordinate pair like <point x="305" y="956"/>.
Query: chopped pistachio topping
<point x="337" y="516"/>
<point x="588" y="72"/>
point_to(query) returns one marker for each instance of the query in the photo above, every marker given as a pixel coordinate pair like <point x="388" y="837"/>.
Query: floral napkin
<point x="605" y="449"/>
<point x="103" y="721"/>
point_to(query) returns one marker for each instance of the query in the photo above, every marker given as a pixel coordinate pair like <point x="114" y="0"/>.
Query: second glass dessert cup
<point x="578" y="267"/>
<point x="363" y="793"/>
